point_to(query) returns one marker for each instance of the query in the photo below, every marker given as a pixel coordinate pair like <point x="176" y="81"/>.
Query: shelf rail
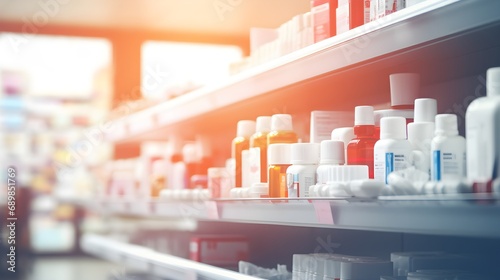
<point x="154" y="262"/>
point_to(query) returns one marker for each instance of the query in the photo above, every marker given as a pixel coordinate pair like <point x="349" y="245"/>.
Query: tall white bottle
<point x="421" y="132"/>
<point x="392" y="152"/>
<point x="447" y="150"/>
<point x="482" y="129"/>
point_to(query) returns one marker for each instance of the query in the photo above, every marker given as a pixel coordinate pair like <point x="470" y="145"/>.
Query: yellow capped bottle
<point x="259" y="140"/>
<point x="244" y="131"/>
<point x="281" y="130"/>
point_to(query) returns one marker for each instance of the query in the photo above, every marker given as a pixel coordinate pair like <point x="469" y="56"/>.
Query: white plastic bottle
<point x="392" y="152"/>
<point x="302" y="173"/>
<point x="482" y="129"/>
<point x="331" y="154"/>
<point x="421" y="132"/>
<point x="447" y="150"/>
<point x="344" y="134"/>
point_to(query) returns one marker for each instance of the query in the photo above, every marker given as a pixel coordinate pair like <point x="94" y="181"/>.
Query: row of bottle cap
<point x="402" y="265"/>
<point x="277" y="122"/>
<point x="336" y="266"/>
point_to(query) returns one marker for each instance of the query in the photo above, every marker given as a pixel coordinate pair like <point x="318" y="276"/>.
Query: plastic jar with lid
<point x="302" y="173"/>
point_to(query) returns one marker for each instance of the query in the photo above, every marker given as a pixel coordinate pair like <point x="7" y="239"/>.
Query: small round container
<point x="258" y="190"/>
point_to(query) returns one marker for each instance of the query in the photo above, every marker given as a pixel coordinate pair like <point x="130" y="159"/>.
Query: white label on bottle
<point x="447" y="165"/>
<point x="254" y="165"/>
<point x="387" y="162"/>
<point x="481" y="151"/>
<point x="367" y="11"/>
<point x="379" y="166"/>
<point x="245" y="169"/>
<point x="473" y="150"/>
<point x="373" y="10"/>
<point x="298" y="183"/>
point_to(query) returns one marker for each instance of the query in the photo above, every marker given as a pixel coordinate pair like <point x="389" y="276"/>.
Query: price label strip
<point x="323" y="212"/>
<point x="212" y="210"/>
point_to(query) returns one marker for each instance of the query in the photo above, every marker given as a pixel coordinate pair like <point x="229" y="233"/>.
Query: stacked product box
<point x="351" y="14"/>
<point x="219" y="250"/>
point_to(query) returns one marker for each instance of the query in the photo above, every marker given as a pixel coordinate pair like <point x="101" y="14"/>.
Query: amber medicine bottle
<point x="244" y="131"/>
<point x="281" y="130"/>
<point x="279" y="160"/>
<point x="259" y="140"/>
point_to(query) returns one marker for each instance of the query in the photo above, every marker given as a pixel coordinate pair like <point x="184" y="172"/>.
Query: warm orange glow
<point x="126" y="45"/>
<point x="169" y="69"/>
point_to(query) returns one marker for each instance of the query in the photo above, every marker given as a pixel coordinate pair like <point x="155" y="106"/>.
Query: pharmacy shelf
<point x="474" y="215"/>
<point x="436" y="38"/>
<point x="148" y="260"/>
<point x="458" y="217"/>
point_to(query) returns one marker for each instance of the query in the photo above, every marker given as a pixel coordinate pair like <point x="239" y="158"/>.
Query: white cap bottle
<point x="302" y="174"/>
<point x="281" y="130"/>
<point x="331" y="153"/>
<point x="425" y="110"/>
<point x="482" y="130"/>
<point x="392" y="152"/>
<point x="363" y="115"/>
<point x="279" y="154"/>
<point x="421" y="132"/>
<point x="493" y="82"/>
<point x="245" y="128"/>
<point x="263" y="124"/>
<point x="281" y="122"/>
<point x="344" y="134"/>
<point x="447" y="150"/>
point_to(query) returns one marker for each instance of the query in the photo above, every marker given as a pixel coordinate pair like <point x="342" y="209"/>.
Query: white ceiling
<point x="225" y="17"/>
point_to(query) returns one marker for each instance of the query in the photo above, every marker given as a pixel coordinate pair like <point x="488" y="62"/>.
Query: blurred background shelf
<point x="424" y="38"/>
<point x="79" y="109"/>
<point x="159" y="264"/>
